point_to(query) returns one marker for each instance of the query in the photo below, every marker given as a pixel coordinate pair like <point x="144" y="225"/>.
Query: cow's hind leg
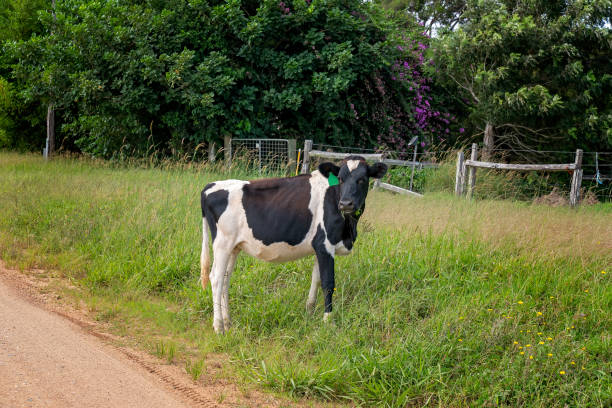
<point x="231" y="263"/>
<point x="315" y="282"/>
<point x="204" y="255"/>
<point x="221" y="256"/>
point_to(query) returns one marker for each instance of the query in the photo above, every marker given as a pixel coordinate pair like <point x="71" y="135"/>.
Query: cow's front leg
<point x="314" y="287"/>
<point x="326" y="272"/>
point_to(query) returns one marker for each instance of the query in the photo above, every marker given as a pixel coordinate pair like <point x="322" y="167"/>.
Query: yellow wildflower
<point x="541" y="342"/>
<point x="520" y="302"/>
<point x="586" y="291"/>
<point x="549" y="338"/>
<point x="531" y="357"/>
<point x="539" y="333"/>
<point x="539" y="313"/>
<point x="489" y="310"/>
<point x="603" y="272"/>
<point x="549" y="354"/>
<point x="527" y="345"/>
<point x="562" y="372"/>
<point x="573" y="363"/>
<point x="460" y="339"/>
<point x="515" y="342"/>
<point x="522" y="352"/>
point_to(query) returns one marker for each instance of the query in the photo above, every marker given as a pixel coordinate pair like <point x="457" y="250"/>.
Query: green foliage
<point x="539" y="72"/>
<point x="133" y="77"/>
<point x="20" y="120"/>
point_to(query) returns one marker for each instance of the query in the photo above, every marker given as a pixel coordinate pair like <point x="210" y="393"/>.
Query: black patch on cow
<point x="332" y="218"/>
<point x="326" y="267"/>
<point x="327" y="167"/>
<point x="203" y="196"/>
<point x="377" y="170"/>
<point x="337" y="227"/>
<point x="277" y="209"/>
<point x="213" y="205"/>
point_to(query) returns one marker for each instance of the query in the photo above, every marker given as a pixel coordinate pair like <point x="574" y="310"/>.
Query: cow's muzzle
<point x="346" y="206"/>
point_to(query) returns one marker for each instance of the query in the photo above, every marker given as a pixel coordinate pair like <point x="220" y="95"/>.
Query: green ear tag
<point x="332" y="179"/>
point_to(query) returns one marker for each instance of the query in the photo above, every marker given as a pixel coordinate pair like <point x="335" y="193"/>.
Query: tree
<point x="534" y="75"/>
<point x="19" y="20"/>
<point x="430" y="13"/>
<point x="171" y="75"/>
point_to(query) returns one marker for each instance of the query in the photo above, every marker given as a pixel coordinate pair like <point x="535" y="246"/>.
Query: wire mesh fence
<point x="269" y="156"/>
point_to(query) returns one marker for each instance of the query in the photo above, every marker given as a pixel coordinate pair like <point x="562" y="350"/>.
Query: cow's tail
<point x="205" y="255"/>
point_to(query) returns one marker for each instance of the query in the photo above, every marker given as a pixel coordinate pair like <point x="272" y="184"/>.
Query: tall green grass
<point x="444" y="302"/>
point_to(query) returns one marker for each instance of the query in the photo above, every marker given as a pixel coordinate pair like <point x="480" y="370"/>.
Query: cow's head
<point x="354" y="175"/>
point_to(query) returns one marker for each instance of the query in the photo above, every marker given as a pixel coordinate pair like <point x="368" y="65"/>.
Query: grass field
<point x="444" y="302"/>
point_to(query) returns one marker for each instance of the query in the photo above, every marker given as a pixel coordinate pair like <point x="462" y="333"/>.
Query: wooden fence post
<point x="291" y="153"/>
<point x="459" y="176"/>
<point x="306" y="161"/>
<point x="472" y="171"/>
<point x="576" y="180"/>
<point x="212" y="153"/>
<point x="227" y="149"/>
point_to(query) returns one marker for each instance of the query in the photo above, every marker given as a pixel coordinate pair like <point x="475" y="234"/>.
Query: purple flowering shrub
<point x="403" y="102"/>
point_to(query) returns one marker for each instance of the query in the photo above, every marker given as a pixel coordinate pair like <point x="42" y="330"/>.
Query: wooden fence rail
<point x="472" y="164"/>
<point x="376" y="157"/>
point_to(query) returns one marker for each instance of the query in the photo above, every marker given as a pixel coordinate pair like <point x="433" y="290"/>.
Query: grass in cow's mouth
<point x="443" y="302"/>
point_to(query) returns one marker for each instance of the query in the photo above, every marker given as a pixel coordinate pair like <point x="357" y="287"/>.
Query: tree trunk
<point x="50" y="130"/>
<point x="50" y="144"/>
<point x="488" y="142"/>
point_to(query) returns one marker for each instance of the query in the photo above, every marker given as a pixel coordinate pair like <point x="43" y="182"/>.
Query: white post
<point x="306" y="162"/>
<point x="472" y="171"/>
<point x="459" y="176"/>
<point x="576" y="180"/>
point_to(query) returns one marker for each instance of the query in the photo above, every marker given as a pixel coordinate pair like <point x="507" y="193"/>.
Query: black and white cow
<point x="284" y="219"/>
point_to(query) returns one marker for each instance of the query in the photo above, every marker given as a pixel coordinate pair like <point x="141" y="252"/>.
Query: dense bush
<point x="167" y="76"/>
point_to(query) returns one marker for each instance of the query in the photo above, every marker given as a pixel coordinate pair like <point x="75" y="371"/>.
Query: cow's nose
<point x="345" y="205"/>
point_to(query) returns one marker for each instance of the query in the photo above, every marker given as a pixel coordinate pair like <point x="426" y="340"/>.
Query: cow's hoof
<point x="218" y="326"/>
<point x="227" y="324"/>
<point x="326" y="317"/>
<point x="310" y="307"/>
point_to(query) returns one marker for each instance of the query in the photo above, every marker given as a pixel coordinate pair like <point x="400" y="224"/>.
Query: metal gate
<point x="267" y="155"/>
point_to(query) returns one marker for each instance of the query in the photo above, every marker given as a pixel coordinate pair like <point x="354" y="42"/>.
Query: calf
<point x="283" y="219"/>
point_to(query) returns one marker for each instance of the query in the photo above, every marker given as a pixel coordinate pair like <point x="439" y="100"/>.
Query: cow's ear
<point x="327" y="167"/>
<point x="377" y="170"/>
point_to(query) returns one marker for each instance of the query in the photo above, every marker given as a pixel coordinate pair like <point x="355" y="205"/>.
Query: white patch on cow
<point x="341" y="249"/>
<point x="352" y="164"/>
<point x="326" y="317"/>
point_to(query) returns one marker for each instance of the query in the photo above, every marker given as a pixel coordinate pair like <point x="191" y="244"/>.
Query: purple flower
<point x="461" y="130"/>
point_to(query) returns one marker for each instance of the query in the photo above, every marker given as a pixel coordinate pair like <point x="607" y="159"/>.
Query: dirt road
<point x="48" y="361"/>
<point x="52" y="357"/>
